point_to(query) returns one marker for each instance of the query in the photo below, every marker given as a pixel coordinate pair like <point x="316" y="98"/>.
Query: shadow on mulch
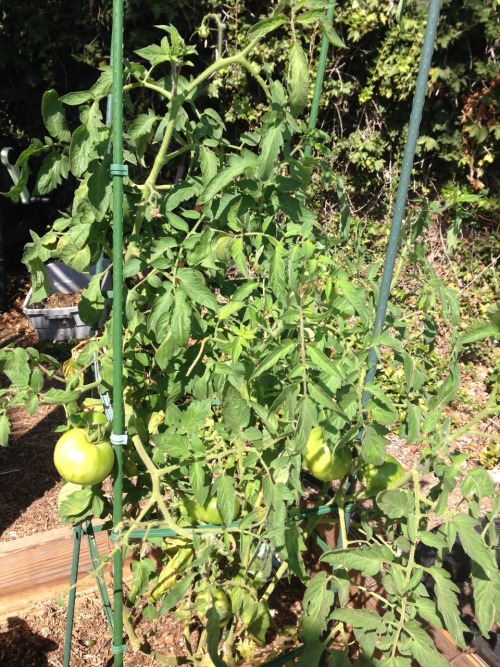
<point x="27" y="470"/>
<point x="21" y="647"/>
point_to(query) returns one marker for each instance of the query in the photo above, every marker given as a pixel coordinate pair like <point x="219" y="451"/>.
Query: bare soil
<point x="59" y="300"/>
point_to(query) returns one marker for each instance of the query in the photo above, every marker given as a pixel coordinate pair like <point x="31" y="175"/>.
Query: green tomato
<point x="379" y="478"/>
<point x="209" y="512"/>
<point x="80" y="461"/>
<point x="203" y="31"/>
<point x="322" y="461"/>
<point x="214" y="598"/>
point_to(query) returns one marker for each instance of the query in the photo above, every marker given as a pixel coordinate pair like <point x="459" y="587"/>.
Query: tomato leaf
<point x="75" y="257"/>
<point x="54" y="116"/>
<point x="307" y="417"/>
<point x="396" y="503"/>
<point x="4" y="430"/>
<point x="413" y="419"/>
<point x="486" y="598"/>
<point x="383" y="412"/>
<point x="181" y="319"/>
<point x="368" y="559"/>
<point x="239" y="258"/>
<point x="325" y="364"/>
<point x="247" y="604"/>
<point x="100" y="187"/>
<point x="142" y="570"/>
<point x="479" y="333"/>
<point x="358" y="618"/>
<point x="77" y="98"/>
<point x="277" y="272"/>
<point x="278" y="353"/>
<point x="209" y="164"/>
<point x="272" y="141"/>
<point x="447" y="389"/>
<point x="60" y="397"/>
<point x="193" y="418"/>
<point x="355" y="296"/>
<point x="195" y="287"/>
<point x="262" y="28"/>
<point x="91" y="304"/>
<point x="294" y="547"/>
<point x="213" y="636"/>
<point x="198" y="479"/>
<point x="17" y="366"/>
<point x="54" y="168"/>
<point x="422" y="647"/>
<point x="478" y="482"/>
<point x="447" y="603"/>
<point x="331" y="35"/>
<point x="142" y="125"/>
<point x="155" y="53"/>
<point x="474" y="545"/>
<point x="74" y="502"/>
<point x="432" y="539"/>
<point x="374" y="444"/>
<point x="177" y="594"/>
<point x="226" y="498"/>
<point x="229" y="309"/>
<point x="260" y="622"/>
<point x="166" y="351"/>
<point x="428" y="611"/>
<point x="81" y="151"/>
<point x="225" y="177"/>
<point x="318" y="600"/>
<point x="235" y="410"/>
<point x="298" y="79"/>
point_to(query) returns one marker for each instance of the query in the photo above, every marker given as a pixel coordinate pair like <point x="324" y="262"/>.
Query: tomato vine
<point x="244" y="332"/>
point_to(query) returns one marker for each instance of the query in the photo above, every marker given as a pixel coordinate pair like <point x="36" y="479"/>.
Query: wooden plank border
<point x="38" y="567"/>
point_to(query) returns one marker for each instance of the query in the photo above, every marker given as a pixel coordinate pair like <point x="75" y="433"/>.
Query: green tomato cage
<point x="114" y="409"/>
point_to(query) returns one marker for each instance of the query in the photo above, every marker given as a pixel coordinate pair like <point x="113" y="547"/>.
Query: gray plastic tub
<point x="60" y="323"/>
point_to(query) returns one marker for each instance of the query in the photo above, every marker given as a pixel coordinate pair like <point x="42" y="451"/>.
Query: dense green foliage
<point x="366" y="99"/>
<point x="246" y="328"/>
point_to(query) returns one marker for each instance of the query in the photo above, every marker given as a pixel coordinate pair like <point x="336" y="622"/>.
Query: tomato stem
<point x="275" y="580"/>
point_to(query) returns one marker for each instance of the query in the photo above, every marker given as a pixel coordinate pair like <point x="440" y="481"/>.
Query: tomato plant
<point x="246" y="327"/>
<point x="80" y="461"/>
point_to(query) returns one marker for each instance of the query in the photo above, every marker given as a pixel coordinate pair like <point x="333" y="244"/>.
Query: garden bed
<point x="33" y="625"/>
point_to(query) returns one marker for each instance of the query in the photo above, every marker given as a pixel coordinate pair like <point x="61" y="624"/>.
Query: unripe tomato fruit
<point x="215" y="598"/>
<point x="203" y="31"/>
<point x="209" y="512"/>
<point x="322" y="461"/>
<point x="80" y="461"/>
<point x="379" y="478"/>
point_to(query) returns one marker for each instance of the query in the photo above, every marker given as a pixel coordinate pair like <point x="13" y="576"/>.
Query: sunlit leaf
<point x="298" y="78"/>
<point x="54" y="116"/>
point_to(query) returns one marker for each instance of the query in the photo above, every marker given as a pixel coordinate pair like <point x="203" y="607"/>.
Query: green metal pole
<point x="118" y="439"/>
<point x="404" y="182"/>
<point x="101" y="583"/>
<point x="318" y="86"/>
<point x="77" y="540"/>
